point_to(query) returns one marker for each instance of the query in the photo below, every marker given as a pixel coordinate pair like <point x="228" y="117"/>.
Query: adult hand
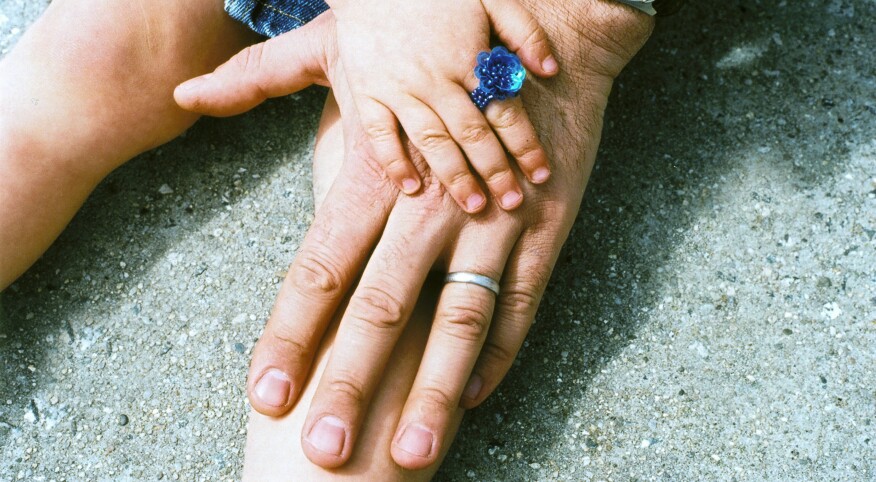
<point x="474" y="337"/>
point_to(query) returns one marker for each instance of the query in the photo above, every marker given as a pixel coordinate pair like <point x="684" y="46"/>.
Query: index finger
<point x="330" y="258"/>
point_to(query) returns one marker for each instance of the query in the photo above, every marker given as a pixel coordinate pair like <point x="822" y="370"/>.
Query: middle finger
<point x="368" y="332"/>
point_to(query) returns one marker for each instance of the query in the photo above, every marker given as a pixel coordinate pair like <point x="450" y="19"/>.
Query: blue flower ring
<point x="501" y="74"/>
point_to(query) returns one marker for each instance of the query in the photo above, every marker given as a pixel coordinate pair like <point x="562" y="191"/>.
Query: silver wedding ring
<point x="473" y="278"/>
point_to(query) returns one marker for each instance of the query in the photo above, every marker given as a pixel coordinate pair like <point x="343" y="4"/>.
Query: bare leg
<point x="88" y="87"/>
<point x="273" y="447"/>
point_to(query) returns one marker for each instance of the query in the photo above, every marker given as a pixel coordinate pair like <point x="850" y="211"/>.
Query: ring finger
<point x="459" y="329"/>
<point x="470" y="130"/>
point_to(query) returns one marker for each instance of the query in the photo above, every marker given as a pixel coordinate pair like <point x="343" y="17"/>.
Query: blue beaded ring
<point x="501" y="74"/>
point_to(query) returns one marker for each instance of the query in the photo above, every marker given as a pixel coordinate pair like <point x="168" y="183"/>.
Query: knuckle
<point x="379" y="133"/>
<point x="250" y="59"/>
<point x="529" y="151"/>
<point x="346" y="386"/>
<point x="432" y="140"/>
<point x="315" y="276"/>
<point x="459" y="178"/>
<point x="535" y="37"/>
<point x="285" y="335"/>
<point x="378" y="308"/>
<point x="518" y="300"/>
<point x="395" y="165"/>
<point x="474" y="134"/>
<point x="496" y="356"/>
<point x="466" y="322"/>
<point x="508" y="115"/>
<point x="437" y="399"/>
<point x="498" y="175"/>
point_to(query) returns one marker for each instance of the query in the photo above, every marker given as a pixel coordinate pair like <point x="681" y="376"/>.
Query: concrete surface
<point x="713" y="316"/>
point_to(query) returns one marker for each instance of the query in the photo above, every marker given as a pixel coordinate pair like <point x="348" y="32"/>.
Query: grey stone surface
<point x="713" y="316"/>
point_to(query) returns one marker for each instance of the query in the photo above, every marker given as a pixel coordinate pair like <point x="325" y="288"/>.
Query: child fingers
<point x="429" y="135"/>
<point x="511" y="123"/>
<point x="475" y="136"/>
<point x="381" y="128"/>
<point x="520" y="32"/>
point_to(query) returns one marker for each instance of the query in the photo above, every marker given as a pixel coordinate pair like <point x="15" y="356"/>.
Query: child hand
<point x="412" y="63"/>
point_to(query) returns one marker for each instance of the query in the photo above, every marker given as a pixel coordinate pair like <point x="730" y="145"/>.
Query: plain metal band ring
<point x="473" y="278"/>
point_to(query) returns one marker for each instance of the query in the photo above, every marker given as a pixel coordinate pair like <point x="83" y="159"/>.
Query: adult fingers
<point x="526" y="276"/>
<point x="276" y="67"/>
<point x="372" y="323"/>
<point x="470" y="130"/>
<point x="518" y="29"/>
<point x="381" y="127"/>
<point x="429" y="135"/>
<point x="333" y="251"/>
<point x="461" y="322"/>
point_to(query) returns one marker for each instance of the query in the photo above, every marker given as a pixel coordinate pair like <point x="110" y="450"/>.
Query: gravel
<point x="713" y="316"/>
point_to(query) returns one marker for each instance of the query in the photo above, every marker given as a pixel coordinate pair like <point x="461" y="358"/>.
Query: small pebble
<point x="123" y="420"/>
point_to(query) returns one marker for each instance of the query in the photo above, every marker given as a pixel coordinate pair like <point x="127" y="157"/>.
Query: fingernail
<point x="273" y="388"/>
<point x="474" y="202"/>
<point x="550" y="65"/>
<point x="410" y="186"/>
<point x="540" y="175"/>
<point x="416" y="440"/>
<point x="511" y="199"/>
<point x="192" y="84"/>
<point x="328" y="435"/>
<point x="474" y="387"/>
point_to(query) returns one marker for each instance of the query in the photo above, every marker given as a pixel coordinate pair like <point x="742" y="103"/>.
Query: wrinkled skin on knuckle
<point x="433" y="140"/>
<point x="474" y="134"/>
<point x="377" y="308"/>
<point x="316" y="276"/>
<point x="436" y="399"/>
<point x="520" y="299"/>
<point x="344" y="384"/>
<point x="508" y="115"/>
<point x="498" y="175"/>
<point x="496" y="356"/>
<point x="466" y="322"/>
<point x="379" y="132"/>
<point x="283" y="337"/>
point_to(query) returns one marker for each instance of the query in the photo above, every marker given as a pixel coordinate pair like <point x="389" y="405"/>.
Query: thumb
<point x="279" y="66"/>
<point x="521" y="33"/>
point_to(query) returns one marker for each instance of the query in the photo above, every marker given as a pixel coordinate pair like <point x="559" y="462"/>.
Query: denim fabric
<point x="274" y="17"/>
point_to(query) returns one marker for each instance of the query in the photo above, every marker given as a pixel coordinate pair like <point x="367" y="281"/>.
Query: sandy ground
<point x="713" y="316"/>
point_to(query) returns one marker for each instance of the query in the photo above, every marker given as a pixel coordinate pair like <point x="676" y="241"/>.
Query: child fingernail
<point x="511" y="199"/>
<point x="410" y="186"/>
<point x="550" y="65"/>
<point x="540" y="175"/>
<point x="474" y="202"/>
<point x="328" y="435"/>
<point x="273" y="388"/>
<point x="416" y="440"/>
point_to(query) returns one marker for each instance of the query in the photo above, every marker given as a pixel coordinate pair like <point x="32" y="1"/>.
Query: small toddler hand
<point x="411" y="63"/>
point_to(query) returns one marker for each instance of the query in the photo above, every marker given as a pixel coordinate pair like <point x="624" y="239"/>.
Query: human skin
<point x="88" y="87"/>
<point x="423" y="88"/>
<point x="273" y="446"/>
<point x="471" y="345"/>
<point x="107" y="72"/>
